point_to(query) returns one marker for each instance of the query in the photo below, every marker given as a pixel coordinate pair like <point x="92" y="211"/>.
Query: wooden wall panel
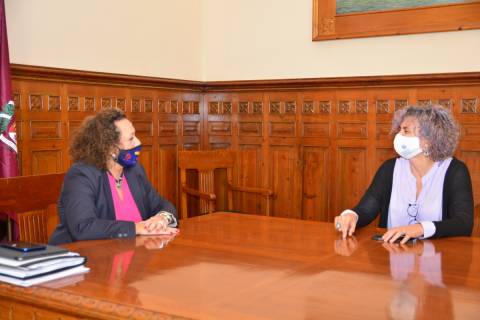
<point x="146" y="158"/>
<point x="383" y="154"/>
<point x="46" y="161"/>
<point x="218" y="126"/>
<point x="316" y="142"/>
<point x="284" y="178"/>
<point x="472" y="160"/>
<point x="248" y="173"/>
<point x="191" y="112"/>
<point x="169" y="139"/>
<point x="249" y="138"/>
<point x="315" y="175"/>
<point x="317" y="136"/>
<point x="351" y="173"/>
<point x="167" y="171"/>
<point x="341" y="121"/>
<point x="50" y="110"/>
<point x="282" y="137"/>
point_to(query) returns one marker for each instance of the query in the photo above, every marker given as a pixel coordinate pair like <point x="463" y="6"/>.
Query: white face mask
<point x="407" y="147"/>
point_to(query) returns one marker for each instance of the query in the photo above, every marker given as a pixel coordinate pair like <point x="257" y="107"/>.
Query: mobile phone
<point x="23" y="246"/>
<point x="379" y="237"/>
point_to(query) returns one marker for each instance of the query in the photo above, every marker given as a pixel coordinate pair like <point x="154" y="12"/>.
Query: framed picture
<point x="342" y="19"/>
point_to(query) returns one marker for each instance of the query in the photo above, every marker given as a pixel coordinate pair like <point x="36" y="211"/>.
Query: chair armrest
<point x="263" y="191"/>
<point x="197" y="193"/>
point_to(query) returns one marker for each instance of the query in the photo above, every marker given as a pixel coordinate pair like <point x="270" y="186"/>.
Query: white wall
<point x="217" y="40"/>
<point x="159" y="38"/>
<point x="268" y="39"/>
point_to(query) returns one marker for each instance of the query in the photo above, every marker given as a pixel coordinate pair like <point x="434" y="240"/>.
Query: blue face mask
<point x="128" y="158"/>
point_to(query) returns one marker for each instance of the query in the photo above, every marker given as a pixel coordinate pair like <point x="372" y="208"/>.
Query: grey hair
<point x="437" y="126"/>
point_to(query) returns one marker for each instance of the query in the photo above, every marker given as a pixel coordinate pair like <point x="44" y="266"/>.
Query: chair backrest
<point x="34" y="200"/>
<point x="205" y="162"/>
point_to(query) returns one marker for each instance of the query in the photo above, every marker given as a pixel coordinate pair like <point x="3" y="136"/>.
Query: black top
<point x="457" y="202"/>
<point x="86" y="206"/>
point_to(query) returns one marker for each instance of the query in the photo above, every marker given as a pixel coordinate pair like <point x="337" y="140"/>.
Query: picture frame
<point x="327" y="25"/>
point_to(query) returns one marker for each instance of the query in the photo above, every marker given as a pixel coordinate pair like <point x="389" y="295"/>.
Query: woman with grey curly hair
<point x="426" y="192"/>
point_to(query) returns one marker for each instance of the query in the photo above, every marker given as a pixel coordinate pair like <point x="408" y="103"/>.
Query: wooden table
<point x="232" y="266"/>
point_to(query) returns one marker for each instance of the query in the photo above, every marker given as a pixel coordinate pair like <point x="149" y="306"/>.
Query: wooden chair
<point x="205" y="162"/>
<point x="34" y="200"/>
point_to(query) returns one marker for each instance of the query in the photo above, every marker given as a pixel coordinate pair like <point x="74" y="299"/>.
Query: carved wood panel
<point x="351" y="173"/>
<point x="317" y="147"/>
<point x="46" y="161"/>
<point x="146" y="158"/>
<point x="249" y="173"/>
<point x="472" y="160"/>
<point x="359" y="119"/>
<point x="167" y="171"/>
<point x="284" y="178"/>
<point x="383" y="154"/>
<point x="45" y="130"/>
<point x="49" y="112"/>
<point x="315" y="183"/>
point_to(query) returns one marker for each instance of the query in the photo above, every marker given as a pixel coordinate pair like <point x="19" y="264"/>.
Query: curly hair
<point x="92" y="143"/>
<point x="437" y="126"/>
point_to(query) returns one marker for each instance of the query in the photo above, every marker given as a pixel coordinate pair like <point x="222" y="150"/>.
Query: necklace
<point x="118" y="182"/>
<point x="413" y="209"/>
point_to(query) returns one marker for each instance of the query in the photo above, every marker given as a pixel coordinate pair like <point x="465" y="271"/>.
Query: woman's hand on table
<point x="346" y="223"/>
<point x="156" y="227"/>
<point x="407" y="232"/>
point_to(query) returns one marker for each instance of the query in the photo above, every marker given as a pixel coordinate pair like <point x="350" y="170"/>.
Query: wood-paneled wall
<point x="53" y="102"/>
<point x="316" y="142"/>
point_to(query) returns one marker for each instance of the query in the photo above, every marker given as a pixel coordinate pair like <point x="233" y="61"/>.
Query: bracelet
<point x="167" y="216"/>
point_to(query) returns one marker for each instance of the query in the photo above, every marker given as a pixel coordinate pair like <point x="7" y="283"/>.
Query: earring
<point x="426" y="153"/>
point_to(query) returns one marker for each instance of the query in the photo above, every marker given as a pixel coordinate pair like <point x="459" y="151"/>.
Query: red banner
<point x="8" y="141"/>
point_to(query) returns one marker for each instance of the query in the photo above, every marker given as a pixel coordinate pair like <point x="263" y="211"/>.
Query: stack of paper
<point x="30" y="268"/>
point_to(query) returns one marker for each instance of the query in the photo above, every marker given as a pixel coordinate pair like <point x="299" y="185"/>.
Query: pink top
<point x="125" y="209"/>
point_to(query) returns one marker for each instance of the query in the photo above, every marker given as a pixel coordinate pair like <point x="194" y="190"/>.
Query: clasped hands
<point x="156" y="225"/>
<point x="347" y="221"/>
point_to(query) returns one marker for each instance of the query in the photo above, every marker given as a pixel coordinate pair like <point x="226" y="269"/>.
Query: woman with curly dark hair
<point x="425" y="192"/>
<point x="106" y="194"/>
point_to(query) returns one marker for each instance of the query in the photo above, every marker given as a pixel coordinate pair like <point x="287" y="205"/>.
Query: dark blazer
<point x="86" y="207"/>
<point x="457" y="202"/>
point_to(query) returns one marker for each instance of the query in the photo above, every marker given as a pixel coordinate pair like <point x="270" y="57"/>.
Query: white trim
<point x="6" y="116"/>
<point x="8" y="143"/>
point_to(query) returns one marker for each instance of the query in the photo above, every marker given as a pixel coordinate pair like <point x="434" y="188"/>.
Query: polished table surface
<point x="234" y="266"/>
